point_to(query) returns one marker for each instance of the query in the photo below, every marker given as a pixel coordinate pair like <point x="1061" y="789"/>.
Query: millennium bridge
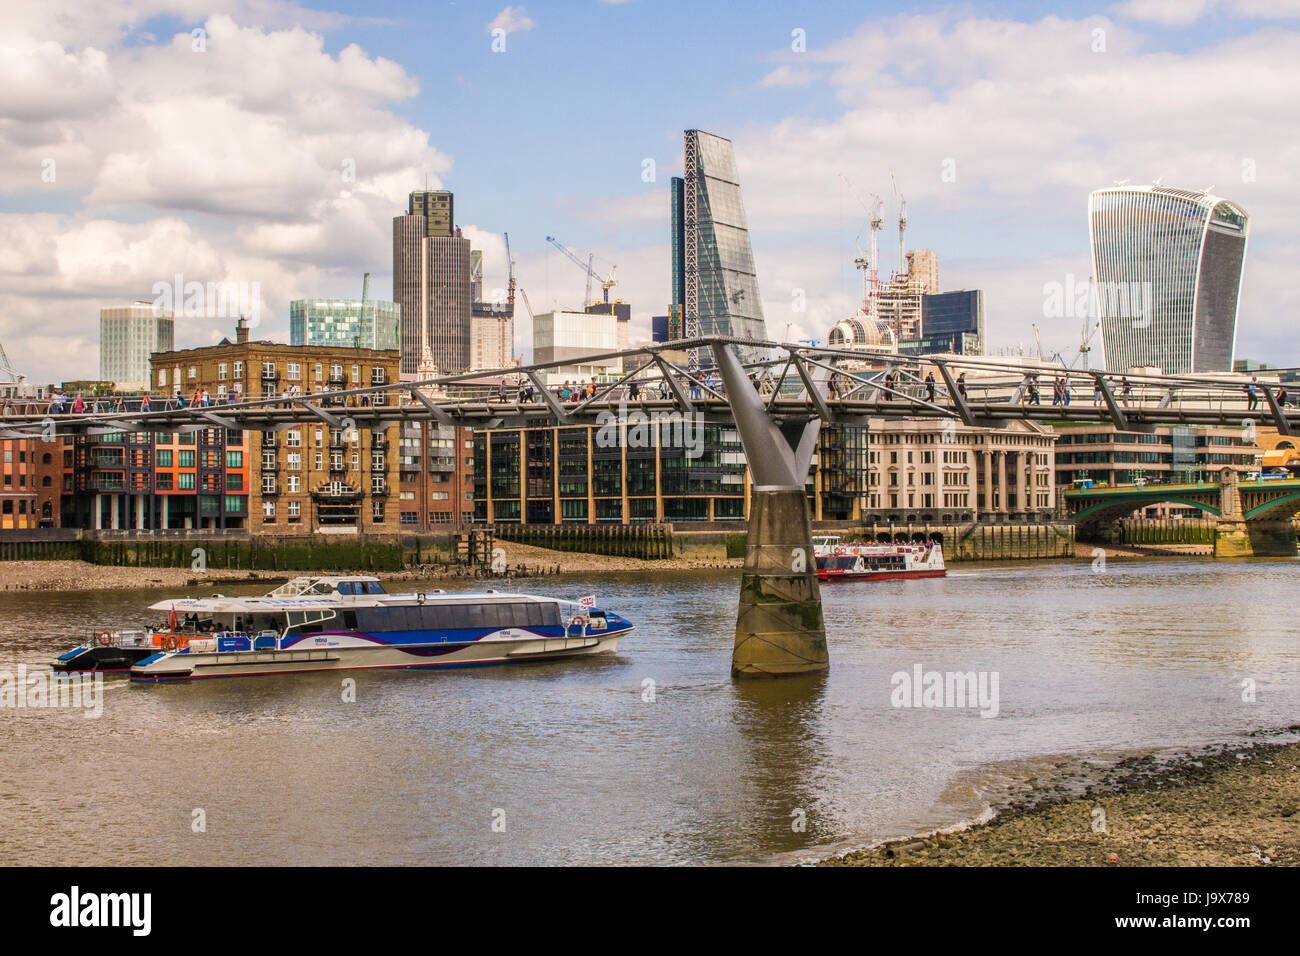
<point x="778" y="395"/>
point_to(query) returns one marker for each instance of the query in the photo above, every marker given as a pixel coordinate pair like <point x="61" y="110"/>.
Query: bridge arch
<point x="1283" y="507"/>
<point x="1109" y="509"/>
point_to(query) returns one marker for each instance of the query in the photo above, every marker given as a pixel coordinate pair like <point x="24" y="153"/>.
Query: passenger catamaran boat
<point x="854" y="562"/>
<point x="328" y="623"/>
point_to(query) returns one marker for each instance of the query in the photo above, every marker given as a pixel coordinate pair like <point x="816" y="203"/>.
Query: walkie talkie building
<point x="1167" y="266"/>
<point x="713" y="262"/>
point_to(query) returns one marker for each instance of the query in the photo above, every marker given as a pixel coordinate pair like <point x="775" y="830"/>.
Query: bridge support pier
<point x="779" y="626"/>
<point x="1254" y="539"/>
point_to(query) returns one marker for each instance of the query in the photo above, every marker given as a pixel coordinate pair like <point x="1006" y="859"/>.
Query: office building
<point x="573" y="475"/>
<point x="951" y="323"/>
<point x="432" y="285"/>
<point x="128" y="334"/>
<point x="714" y="280"/>
<point x="345" y="323"/>
<point x="1167" y="267"/>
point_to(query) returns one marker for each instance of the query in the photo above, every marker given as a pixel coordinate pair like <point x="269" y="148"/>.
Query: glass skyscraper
<point x="343" y="322"/>
<point x="1167" y="266"/>
<point x="713" y="263"/>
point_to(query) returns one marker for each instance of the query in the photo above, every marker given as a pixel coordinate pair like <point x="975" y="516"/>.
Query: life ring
<point x="169" y="642"/>
<point x="104" y="638"/>
<point x="578" y="621"/>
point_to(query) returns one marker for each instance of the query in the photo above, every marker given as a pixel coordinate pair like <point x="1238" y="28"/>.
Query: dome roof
<point x="860" y="331"/>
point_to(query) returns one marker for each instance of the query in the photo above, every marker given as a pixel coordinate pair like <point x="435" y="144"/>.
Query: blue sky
<point x="224" y="166"/>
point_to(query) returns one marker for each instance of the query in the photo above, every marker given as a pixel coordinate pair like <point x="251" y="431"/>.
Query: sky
<point x="267" y="145"/>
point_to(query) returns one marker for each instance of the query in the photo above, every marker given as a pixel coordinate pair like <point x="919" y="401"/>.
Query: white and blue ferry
<point x="339" y="623"/>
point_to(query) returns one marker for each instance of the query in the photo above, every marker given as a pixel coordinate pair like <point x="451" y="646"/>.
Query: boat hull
<point x="369" y="654"/>
<point x="877" y="575"/>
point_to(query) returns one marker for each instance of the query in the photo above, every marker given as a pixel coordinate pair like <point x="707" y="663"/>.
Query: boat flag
<point x="588" y="601"/>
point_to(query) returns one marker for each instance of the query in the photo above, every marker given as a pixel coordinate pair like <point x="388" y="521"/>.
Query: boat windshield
<point x="361" y="587"/>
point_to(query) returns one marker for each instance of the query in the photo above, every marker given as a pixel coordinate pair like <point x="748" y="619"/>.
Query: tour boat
<point x="340" y="623"/>
<point x="856" y="562"/>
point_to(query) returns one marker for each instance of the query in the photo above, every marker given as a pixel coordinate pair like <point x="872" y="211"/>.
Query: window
<point x="162" y="377"/>
<point x="186" y="458"/>
<point x="234" y="459"/>
<point x="293" y="461"/>
<point x="221" y="371"/>
<point x="239" y="370"/>
<point x="294" y="371"/>
<point x="294" y="483"/>
<point x="295" y="510"/>
<point x="268" y="511"/>
<point x="320" y="372"/>
<point x="235" y="481"/>
<point x="294" y="439"/>
<point x="164" y="457"/>
<point x="185" y="481"/>
<point x="377" y="509"/>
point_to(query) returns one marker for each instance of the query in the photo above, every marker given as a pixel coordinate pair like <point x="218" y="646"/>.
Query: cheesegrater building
<point x="1167" y="267"/>
<point x="715" y="288"/>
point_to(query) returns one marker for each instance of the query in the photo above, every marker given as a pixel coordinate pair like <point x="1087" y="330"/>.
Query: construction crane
<point x="510" y="285"/>
<point x="902" y="226"/>
<point x="869" y="265"/>
<point x="605" y="284"/>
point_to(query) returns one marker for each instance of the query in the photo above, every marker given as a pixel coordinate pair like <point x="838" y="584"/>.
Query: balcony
<point x="379" y="489"/>
<point x="270" y="467"/>
<point x="107" y="483"/>
<point x="109" y="461"/>
<point x="268" y="439"/>
<point x="270" y="489"/>
<point x="379" y="444"/>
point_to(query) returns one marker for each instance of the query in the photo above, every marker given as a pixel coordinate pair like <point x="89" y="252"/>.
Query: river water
<point x="653" y="755"/>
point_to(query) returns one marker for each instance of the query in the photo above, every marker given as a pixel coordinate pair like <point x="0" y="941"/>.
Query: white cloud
<point x="512" y="20"/>
<point x="286" y="175"/>
<point x="1169" y="13"/>
<point x="787" y="76"/>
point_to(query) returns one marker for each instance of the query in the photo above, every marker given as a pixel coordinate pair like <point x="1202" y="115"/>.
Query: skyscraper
<point x="1167" y="267"/>
<point x="128" y="335"/>
<point x="713" y="262"/>
<point x="431" y="283"/>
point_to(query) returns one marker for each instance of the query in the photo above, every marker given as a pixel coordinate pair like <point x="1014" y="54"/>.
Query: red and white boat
<point x="837" y="561"/>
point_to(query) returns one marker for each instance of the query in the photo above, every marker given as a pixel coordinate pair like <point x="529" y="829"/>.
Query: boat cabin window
<point x="445" y="616"/>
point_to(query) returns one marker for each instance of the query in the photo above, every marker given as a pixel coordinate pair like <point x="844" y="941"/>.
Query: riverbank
<point x="1233" y="805"/>
<point x="83" y="576"/>
<point x="1088" y="549"/>
<point x="522" y="561"/>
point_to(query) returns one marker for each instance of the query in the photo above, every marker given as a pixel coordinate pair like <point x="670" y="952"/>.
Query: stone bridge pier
<point x="779" y="626"/>
<point x="1236" y="536"/>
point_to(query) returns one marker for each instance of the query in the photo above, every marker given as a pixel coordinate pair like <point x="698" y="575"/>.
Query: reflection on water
<point x="582" y="765"/>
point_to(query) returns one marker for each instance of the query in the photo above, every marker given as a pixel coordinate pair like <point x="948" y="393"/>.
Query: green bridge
<point x="1251" y="518"/>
